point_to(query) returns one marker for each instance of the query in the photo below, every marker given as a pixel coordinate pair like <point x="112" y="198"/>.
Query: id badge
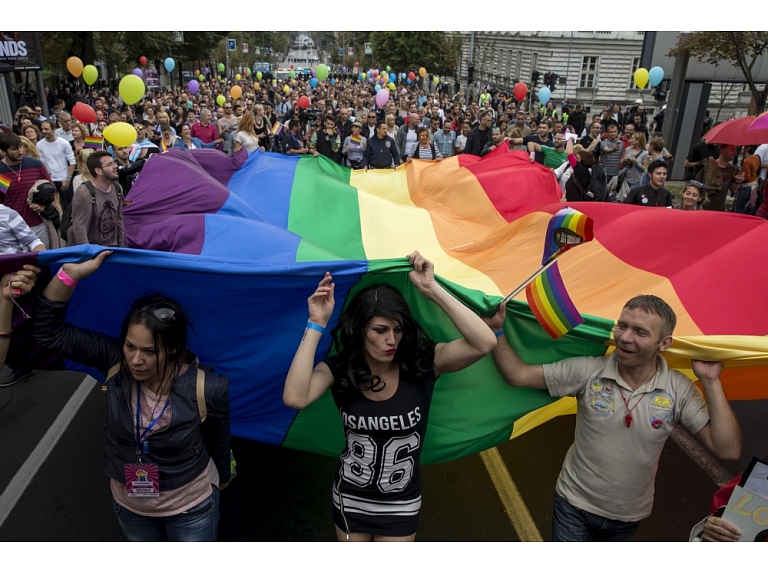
<point x="142" y="479"/>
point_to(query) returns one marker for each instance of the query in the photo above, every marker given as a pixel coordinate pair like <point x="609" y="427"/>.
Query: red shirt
<point x="23" y="176"/>
<point x="207" y="134"/>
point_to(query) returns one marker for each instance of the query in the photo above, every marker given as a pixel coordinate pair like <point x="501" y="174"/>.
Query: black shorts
<point x="382" y="523"/>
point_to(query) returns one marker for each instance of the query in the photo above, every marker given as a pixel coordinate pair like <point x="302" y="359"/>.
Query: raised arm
<point x="722" y="435"/>
<point x="303" y="384"/>
<point x="477" y="341"/>
<point x="18" y="283"/>
<point x="511" y="367"/>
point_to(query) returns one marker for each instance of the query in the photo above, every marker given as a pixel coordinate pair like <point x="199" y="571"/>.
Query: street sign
<point x="368" y="48"/>
<point x="341" y="51"/>
<point x="350" y="51"/>
<point x="231" y="45"/>
<point x="178" y="37"/>
<point x="245" y="48"/>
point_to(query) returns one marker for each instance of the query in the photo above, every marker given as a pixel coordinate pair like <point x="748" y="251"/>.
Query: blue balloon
<point x="333" y="81"/>
<point x="544" y="95"/>
<point x="409" y="82"/>
<point x="313" y="82"/>
<point x="169" y="64"/>
<point x="377" y="87"/>
<point x="655" y="75"/>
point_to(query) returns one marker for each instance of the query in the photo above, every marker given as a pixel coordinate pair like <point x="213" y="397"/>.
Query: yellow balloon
<point x="197" y="72"/>
<point x="422" y="71"/>
<point x="220" y="99"/>
<point x="259" y="75"/>
<point x="236" y="92"/>
<point x="131" y="89"/>
<point x="120" y="134"/>
<point x="286" y="89"/>
<point x="641" y="77"/>
<point x="90" y="74"/>
<point x="255" y="85"/>
<point x="75" y="66"/>
<point x="237" y="77"/>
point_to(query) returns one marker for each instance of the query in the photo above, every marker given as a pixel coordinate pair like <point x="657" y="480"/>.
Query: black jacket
<point x="180" y="449"/>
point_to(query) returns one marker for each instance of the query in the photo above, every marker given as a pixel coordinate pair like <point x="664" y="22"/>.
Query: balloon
<point x="138" y="72"/>
<point x="169" y="64"/>
<point x="237" y="77"/>
<point x="236" y="92"/>
<point x="314" y="73"/>
<point x="382" y="97"/>
<point x="143" y="60"/>
<point x="84" y="113"/>
<point x="435" y="80"/>
<point x="218" y="78"/>
<point x="197" y="72"/>
<point x="303" y="102"/>
<point x="641" y="77"/>
<point x="206" y="70"/>
<point x="291" y="74"/>
<point x="75" y="66"/>
<point x="255" y="85"/>
<point x="291" y="66"/>
<point x="376" y="88"/>
<point x="544" y="95"/>
<point x="656" y="75"/>
<point x="409" y="81"/>
<point x="131" y="89"/>
<point x="403" y="91"/>
<point x="322" y="72"/>
<point x="344" y="69"/>
<point x="422" y="71"/>
<point x="391" y="85"/>
<point x="313" y="82"/>
<point x="362" y="76"/>
<point x="193" y="86"/>
<point x="286" y="89"/>
<point x="201" y="78"/>
<point x="221" y="67"/>
<point x="120" y="133"/>
<point x="220" y="99"/>
<point x="357" y="63"/>
<point x="388" y="68"/>
<point x="520" y="91"/>
<point x="411" y="76"/>
<point x="333" y="81"/>
<point x="90" y="74"/>
<point x="259" y="75"/>
<point x="381" y="81"/>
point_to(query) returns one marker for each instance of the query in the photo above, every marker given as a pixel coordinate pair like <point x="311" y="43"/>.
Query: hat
<point x="358" y="124"/>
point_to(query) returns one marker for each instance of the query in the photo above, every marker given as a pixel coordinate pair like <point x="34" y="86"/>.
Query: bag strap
<point x="91" y="189"/>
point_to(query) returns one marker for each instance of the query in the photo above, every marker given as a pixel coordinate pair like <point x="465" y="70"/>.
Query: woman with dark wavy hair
<point x="382" y="380"/>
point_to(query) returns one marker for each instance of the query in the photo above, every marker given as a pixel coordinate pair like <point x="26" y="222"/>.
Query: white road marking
<point x="27" y="472"/>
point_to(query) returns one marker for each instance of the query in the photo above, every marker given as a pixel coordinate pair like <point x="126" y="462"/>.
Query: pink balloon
<point x="382" y="97"/>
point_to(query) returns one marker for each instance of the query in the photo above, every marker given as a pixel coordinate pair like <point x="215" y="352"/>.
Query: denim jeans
<point x="742" y="199"/>
<point x="201" y="523"/>
<point x="570" y="523"/>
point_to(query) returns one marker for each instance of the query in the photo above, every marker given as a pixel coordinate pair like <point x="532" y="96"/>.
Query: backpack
<point x="597" y="188"/>
<point x="66" y="217"/>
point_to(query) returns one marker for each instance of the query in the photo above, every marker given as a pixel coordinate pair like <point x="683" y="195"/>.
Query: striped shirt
<point x="23" y="176"/>
<point x="15" y="235"/>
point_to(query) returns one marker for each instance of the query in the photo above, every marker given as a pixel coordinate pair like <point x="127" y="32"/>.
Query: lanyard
<point x="141" y="445"/>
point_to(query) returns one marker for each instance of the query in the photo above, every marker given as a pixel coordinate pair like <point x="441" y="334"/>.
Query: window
<point x="635" y="66"/>
<point x="588" y="72"/>
<point x="517" y="64"/>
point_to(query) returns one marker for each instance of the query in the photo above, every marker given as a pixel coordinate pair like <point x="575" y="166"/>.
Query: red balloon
<point x="357" y="63"/>
<point x="291" y="66"/>
<point x="303" y="102"/>
<point x="84" y="113"/>
<point x="520" y="91"/>
<point x="143" y="60"/>
<point x="411" y="76"/>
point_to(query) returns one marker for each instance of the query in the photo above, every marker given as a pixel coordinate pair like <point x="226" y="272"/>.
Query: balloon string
<point x="13" y="299"/>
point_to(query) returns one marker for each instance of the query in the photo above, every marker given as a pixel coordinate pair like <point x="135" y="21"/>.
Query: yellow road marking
<point x="518" y="513"/>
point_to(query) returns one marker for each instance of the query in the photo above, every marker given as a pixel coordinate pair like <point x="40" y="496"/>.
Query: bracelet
<point x="499" y="333"/>
<point x="65" y="279"/>
<point x="68" y="178"/>
<point x="316" y="327"/>
<point x="6" y="334"/>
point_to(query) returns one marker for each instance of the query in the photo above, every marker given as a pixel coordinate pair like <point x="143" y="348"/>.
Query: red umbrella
<point x="737" y="133"/>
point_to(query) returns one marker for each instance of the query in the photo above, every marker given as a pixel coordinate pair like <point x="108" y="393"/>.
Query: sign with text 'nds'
<point x="20" y="51"/>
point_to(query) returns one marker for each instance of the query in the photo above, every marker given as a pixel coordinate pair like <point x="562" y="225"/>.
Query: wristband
<point x="6" y="334"/>
<point x="316" y="327"/>
<point x="65" y="279"/>
<point x="499" y="333"/>
<point x="68" y="178"/>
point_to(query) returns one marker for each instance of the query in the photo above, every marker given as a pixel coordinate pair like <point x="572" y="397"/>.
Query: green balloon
<point x="291" y="74"/>
<point x="391" y="85"/>
<point x="90" y="74"/>
<point x="388" y="68"/>
<point x="322" y="72"/>
<point x="201" y="78"/>
<point x="220" y="100"/>
<point x="221" y="67"/>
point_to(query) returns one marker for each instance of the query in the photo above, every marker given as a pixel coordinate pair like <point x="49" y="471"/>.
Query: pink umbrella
<point x="761" y="122"/>
<point x="737" y="133"/>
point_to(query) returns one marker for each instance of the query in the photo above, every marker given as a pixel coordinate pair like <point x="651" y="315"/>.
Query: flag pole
<point x="529" y="279"/>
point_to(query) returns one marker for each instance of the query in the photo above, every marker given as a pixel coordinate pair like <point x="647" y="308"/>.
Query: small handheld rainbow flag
<point x="93" y="142"/>
<point x="355" y="139"/>
<point x="5" y="183"/>
<point x="163" y="145"/>
<point x="277" y="129"/>
<point x="566" y="229"/>
<point x="551" y="304"/>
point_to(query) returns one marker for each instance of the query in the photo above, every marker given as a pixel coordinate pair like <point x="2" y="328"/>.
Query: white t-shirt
<point x="762" y="151"/>
<point x="57" y="157"/>
<point x="249" y="141"/>
<point x="461" y="142"/>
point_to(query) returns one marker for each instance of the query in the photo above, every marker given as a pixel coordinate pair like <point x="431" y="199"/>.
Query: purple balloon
<point x="193" y="86"/>
<point x="314" y="74"/>
<point x="138" y="72"/>
<point x="344" y="69"/>
<point x="206" y="70"/>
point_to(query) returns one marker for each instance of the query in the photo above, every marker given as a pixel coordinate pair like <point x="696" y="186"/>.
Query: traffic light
<point x="547" y="78"/>
<point x="470" y="73"/>
<point x="535" y="77"/>
<point x="552" y="81"/>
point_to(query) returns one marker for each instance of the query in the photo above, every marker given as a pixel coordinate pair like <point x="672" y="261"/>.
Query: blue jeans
<point x="742" y="199"/>
<point x="201" y="523"/>
<point x="570" y="523"/>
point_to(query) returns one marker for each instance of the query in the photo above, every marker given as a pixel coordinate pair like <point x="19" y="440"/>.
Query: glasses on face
<point x="107" y="165"/>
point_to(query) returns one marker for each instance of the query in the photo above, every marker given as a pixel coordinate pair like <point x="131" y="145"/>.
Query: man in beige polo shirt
<point x="628" y="404"/>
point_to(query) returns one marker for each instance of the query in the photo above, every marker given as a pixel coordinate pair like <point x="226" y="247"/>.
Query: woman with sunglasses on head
<point x="382" y="381"/>
<point x="165" y="467"/>
<point x="694" y="197"/>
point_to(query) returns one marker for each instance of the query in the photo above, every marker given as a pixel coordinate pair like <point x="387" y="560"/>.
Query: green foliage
<point x="742" y="49"/>
<point x="438" y="52"/>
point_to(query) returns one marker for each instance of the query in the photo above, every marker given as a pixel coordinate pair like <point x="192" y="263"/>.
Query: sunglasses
<point x="161" y="312"/>
<point x="697" y="184"/>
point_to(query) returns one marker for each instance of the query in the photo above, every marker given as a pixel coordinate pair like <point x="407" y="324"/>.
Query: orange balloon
<point x="255" y="85"/>
<point x="236" y="92"/>
<point x="75" y="66"/>
<point x="422" y="72"/>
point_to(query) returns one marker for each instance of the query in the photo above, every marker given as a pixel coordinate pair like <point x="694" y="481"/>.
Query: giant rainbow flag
<point x="242" y="241"/>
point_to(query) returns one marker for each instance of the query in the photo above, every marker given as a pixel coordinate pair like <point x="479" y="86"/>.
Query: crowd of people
<point x="60" y="188"/>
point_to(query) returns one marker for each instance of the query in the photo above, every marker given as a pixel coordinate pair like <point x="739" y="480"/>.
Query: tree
<point x="438" y="52"/>
<point x="742" y="49"/>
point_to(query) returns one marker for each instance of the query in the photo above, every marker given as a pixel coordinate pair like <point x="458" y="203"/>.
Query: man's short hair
<point x="294" y="123"/>
<point x="656" y="164"/>
<point x="610" y="123"/>
<point x="50" y="124"/>
<point x="655" y="305"/>
<point x="9" y="140"/>
<point x="94" y="161"/>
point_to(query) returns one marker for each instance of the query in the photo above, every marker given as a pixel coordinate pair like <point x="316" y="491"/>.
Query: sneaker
<point x="14" y="376"/>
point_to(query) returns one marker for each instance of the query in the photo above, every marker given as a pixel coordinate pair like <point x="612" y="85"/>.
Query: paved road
<point x="284" y="495"/>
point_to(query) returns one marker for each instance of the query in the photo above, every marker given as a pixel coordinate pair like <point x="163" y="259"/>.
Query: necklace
<point x="628" y="416"/>
<point x="18" y="174"/>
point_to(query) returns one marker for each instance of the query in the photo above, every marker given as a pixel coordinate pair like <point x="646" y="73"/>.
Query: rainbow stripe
<point x="5" y="183"/>
<point x="94" y="142"/>
<point x="566" y="229"/>
<point x="355" y="139"/>
<point x="277" y="129"/>
<point x="551" y="304"/>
